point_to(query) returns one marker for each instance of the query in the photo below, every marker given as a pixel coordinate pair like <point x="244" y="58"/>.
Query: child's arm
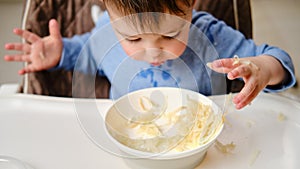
<point x="73" y="47"/>
<point x="40" y="53"/>
<point x="257" y="73"/>
<point x="262" y="67"/>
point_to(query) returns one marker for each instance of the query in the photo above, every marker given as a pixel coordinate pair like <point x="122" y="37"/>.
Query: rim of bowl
<point x="162" y="155"/>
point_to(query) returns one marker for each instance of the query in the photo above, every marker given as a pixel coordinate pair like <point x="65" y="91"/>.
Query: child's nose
<point x="153" y="52"/>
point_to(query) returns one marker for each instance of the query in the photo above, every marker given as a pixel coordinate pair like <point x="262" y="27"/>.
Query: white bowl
<point x="124" y="123"/>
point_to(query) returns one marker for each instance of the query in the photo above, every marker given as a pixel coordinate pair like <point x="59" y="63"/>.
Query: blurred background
<point x="275" y="22"/>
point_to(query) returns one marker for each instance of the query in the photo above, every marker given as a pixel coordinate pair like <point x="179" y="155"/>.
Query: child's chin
<point x="156" y="63"/>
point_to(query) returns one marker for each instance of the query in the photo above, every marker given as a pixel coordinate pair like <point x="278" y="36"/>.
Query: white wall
<point x="10" y="17"/>
<point x="277" y="23"/>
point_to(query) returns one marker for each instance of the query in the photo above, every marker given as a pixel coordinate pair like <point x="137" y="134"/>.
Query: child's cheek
<point x="176" y="48"/>
<point x="129" y="49"/>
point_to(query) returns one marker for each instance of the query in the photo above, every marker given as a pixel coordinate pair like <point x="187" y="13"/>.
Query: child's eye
<point x="171" y="37"/>
<point x="168" y="37"/>
<point x="134" y="40"/>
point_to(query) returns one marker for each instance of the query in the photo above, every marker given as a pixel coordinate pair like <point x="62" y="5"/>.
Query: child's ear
<point x="102" y="4"/>
<point x="193" y="3"/>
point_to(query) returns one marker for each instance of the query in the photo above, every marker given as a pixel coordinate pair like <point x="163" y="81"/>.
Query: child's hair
<point x="148" y="11"/>
<point x="128" y="7"/>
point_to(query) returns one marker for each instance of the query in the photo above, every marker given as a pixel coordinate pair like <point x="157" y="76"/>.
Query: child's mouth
<point x="157" y="63"/>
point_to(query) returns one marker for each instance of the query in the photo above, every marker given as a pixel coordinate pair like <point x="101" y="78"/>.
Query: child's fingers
<point x="222" y="65"/>
<point x="28" y="69"/>
<point x="247" y="100"/>
<point x="54" y="29"/>
<point x="29" y="36"/>
<point x="246" y="95"/>
<point x="240" y="71"/>
<point x="21" y="72"/>
<point x="18" y="46"/>
<point x="18" y="58"/>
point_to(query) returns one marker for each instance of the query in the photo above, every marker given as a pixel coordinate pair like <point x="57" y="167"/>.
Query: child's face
<point x="154" y="45"/>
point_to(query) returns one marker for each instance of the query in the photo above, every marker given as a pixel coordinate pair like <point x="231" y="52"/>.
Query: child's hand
<point x="257" y="73"/>
<point x="40" y="53"/>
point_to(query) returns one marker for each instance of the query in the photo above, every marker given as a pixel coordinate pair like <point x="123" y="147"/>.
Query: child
<point x="160" y="43"/>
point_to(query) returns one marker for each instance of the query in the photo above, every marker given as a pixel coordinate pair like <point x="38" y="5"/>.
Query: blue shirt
<point x="99" y="53"/>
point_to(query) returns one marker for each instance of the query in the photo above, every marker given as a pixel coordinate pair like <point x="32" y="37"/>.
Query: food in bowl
<point x="164" y="123"/>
